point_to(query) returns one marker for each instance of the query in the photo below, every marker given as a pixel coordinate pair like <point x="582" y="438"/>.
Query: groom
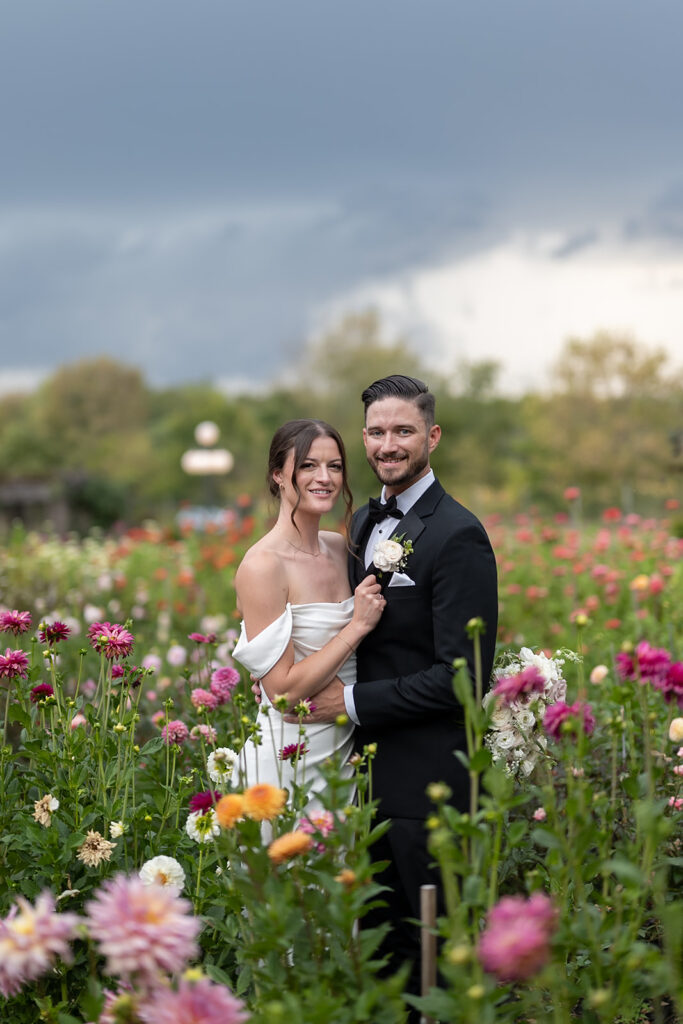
<point x="403" y="699"/>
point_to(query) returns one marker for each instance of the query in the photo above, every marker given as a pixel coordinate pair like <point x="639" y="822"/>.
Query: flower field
<point x="145" y="881"/>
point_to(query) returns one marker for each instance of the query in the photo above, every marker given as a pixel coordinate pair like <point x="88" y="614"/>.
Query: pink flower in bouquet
<point x="195" y="1002"/>
<point x="511" y="688"/>
<point x="15" y="622"/>
<point x="53" y="632"/>
<point x="223" y="682"/>
<point x="110" y="639"/>
<point x="560" y="712"/>
<point x="31" y="938"/>
<point x="141" y="930"/>
<point x="203" y="802"/>
<point x="175" y="732"/>
<point x="204" y="700"/>
<point x="13" y="664"/>
<point x="516" y="941"/>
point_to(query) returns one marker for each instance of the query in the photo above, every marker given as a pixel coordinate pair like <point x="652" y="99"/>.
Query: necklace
<point x="313" y="554"/>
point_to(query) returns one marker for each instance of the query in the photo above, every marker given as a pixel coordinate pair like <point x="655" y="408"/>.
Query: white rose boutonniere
<point x="392" y="555"/>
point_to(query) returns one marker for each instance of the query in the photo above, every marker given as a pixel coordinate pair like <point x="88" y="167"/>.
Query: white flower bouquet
<point x="524" y="685"/>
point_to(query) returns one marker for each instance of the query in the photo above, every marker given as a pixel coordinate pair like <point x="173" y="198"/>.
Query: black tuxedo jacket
<point x="404" y="695"/>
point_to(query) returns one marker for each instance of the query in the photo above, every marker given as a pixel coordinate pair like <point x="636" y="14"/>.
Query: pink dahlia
<point x="53" y="632"/>
<point x="141" y="929"/>
<point x="317" y="823"/>
<point x="558" y="713"/>
<point x="202" y="638"/>
<point x="206" y="732"/>
<point x="110" y="639"/>
<point x="175" y="732"/>
<point x="15" y="622"/>
<point x="203" y="802"/>
<point x="672" y="684"/>
<point x="31" y="938"/>
<point x="223" y="682"/>
<point x="194" y="1002"/>
<point x="40" y="692"/>
<point x="516" y="941"/>
<point x="511" y="688"/>
<point x="204" y="700"/>
<point x="13" y="664"/>
<point x="117" y="671"/>
<point x="293" y="751"/>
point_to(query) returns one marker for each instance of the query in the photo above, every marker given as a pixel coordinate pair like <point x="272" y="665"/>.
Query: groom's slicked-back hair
<point x="399" y="386"/>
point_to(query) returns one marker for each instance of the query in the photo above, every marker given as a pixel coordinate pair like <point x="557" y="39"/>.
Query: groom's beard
<point x="400" y="474"/>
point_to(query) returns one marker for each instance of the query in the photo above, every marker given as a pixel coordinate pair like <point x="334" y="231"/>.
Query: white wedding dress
<point x="310" y="627"/>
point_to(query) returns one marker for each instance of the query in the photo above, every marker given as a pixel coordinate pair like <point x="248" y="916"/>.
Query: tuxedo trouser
<point x="410" y="866"/>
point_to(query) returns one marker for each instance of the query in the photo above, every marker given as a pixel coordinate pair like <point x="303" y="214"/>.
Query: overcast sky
<point x="196" y="189"/>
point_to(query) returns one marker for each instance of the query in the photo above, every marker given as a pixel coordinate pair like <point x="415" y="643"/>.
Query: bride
<point x="300" y="623"/>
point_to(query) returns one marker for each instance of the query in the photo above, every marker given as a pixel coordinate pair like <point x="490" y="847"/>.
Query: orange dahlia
<point x="289" y="845"/>
<point x="264" y="802"/>
<point x="230" y="809"/>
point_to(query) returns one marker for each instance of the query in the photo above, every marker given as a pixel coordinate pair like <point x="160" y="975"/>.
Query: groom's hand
<point x="328" y="704"/>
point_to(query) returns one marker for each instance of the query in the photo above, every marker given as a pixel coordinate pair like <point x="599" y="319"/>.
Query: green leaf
<point x="625" y="870"/>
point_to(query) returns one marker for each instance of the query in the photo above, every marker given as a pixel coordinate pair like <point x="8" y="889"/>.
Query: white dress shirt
<point x="381" y="531"/>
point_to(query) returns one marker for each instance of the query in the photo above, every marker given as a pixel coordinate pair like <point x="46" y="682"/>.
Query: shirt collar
<point x="406" y="499"/>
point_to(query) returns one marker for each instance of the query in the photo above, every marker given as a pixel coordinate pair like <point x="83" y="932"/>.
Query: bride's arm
<point x="262" y="595"/>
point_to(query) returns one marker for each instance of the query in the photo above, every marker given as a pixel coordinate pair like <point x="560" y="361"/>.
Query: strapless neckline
<point x="323" y="604"/>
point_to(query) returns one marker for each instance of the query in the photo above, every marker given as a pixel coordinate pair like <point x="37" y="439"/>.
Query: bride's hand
<point x="368" y="604"/>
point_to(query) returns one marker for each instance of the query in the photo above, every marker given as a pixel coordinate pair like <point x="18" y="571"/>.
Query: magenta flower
<point x="15" y="622"/>
<point x="511" y="688"/>
<point x="648" y="664"/>
<point x="558" y="713"/>
<point x="117" y="671"/>
<point x="53" y="632"/>
<point x="141" y="929"/>
<point x="672" y="684"/>
<point x="203" y="802"/>
<point x="31" y="938"/>
<point x="516" y="941"/>
<point x="41" y="691"/>
<point x="202" y="638"/>
<point x="204" y="700"/>
<point x="223" y="682"/>
<point x="13" y="664"/>
<point x="175" y="732"/>
<point x="293" y="751"/>
<point x="195" y="1002"/>
<point x="110" y="639"/>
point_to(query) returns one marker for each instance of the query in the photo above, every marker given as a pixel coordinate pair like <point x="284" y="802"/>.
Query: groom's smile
<point x="398" y="442"/>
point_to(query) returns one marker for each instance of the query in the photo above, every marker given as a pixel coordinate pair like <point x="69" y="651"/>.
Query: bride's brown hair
<point x="299" y="435"/>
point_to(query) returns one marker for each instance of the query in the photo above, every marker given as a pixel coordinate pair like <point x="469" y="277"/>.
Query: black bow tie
<point x="377" y="511"/>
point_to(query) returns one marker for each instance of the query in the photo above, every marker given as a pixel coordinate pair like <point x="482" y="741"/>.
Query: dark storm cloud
<point x="184" y="185"/>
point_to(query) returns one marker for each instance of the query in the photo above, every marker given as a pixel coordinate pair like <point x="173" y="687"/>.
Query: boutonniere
<point x="392" y="555"/>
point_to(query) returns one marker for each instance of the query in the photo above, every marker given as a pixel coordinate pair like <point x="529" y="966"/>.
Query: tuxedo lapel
<point x="359" y="535"/>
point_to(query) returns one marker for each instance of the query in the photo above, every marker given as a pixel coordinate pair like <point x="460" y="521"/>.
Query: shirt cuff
<point x="350" y="704"/>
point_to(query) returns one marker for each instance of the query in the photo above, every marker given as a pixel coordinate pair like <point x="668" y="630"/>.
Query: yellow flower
<point x="264" y="802"/>
<point x="640" y="583"/>
<point x="230" y="809"/>
<point x="289" y="845"/>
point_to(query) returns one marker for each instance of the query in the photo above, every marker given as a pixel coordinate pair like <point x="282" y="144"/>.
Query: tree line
<point x="610" y="423"/>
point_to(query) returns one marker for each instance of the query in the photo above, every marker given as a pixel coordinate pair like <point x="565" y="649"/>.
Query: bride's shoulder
<point x="334" y="540"/>
<point x="260" y="564"/>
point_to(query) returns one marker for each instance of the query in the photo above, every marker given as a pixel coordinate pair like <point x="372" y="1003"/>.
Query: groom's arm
<point x="464" y="586"/>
